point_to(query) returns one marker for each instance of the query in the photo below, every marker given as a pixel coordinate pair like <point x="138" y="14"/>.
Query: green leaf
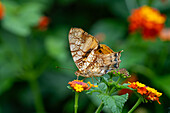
<point x="125" y="86"/>
<point x="19" y="19"/>
<point x="104" y="80"/>
<point x="56" y="45"/>
<point x="102" y="87"/>
<point x="69" y="87"/>
<point x="6" y="84"/>
<point x="114" y="103"/>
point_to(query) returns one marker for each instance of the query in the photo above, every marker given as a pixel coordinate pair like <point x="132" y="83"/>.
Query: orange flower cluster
<point x="148" y="21"/>
<point x="79" y="85"/>
<point x="43" y="23"/>
<point x="1" y="11"/>
<point x="148" y="92"/>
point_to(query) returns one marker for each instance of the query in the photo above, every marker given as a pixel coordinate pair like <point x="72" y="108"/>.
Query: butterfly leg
<point x="96" y="78"/>
<point x="77" y="77"/>
<point x="84" y="79"/>
<point x="92" y="79"/>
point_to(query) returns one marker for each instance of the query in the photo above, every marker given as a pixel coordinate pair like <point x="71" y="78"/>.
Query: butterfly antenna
<point x="65" y="68"/>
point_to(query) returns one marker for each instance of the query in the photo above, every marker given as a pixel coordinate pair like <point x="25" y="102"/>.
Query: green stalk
<point x="99" y="109"/>
<point x="112" y="90"/>
<point x="136" y="105"/>
<point x="76" y="102"/>
<point x="37" y="96"/>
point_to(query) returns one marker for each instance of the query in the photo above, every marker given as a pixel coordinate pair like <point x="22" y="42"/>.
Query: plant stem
<point x="100" y="108"/>
<point x="112" y="90"/>
<point x="136" y="105"/>
<point x="76" y="102"/>
<point x="37" y="96"/>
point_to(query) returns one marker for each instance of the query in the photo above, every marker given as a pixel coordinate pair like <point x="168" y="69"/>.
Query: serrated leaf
<point x="114" y="103"/>
<point x="102" y="87"/>
<point x="104" y="80"/>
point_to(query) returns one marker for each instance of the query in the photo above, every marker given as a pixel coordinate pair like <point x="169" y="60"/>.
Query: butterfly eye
<point x="116" y="54"/>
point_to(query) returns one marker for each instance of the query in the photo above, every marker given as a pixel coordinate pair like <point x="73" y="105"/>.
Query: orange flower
<point x="148" y="21"/>
<point x="142" y="90"/>
<point x="43" y="23"/>
<point x="1" y="11"/>
<point x="147" y="92"/>
<point x="79" y="85"/>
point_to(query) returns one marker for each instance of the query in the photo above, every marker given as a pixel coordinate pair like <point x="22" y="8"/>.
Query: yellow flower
<point x="78" y="88"/>
<point x="140" y="84"/>
<point x="152" y="15"/>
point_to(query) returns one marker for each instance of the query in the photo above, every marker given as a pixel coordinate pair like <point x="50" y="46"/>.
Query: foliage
<point x="29" y="56"/>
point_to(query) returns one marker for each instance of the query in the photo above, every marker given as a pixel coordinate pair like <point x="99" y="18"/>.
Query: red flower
<point x="43" y="23"/>
<point x="1" y="11"/>
<point x="147" y="20"/>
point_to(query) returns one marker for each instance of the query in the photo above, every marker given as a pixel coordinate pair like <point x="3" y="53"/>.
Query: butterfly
<point x="91" y="58"/>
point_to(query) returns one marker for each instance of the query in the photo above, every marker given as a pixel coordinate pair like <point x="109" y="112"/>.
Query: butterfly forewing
<point x="81" y="46"/>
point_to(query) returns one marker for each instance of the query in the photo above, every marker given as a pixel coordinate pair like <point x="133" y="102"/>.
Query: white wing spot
<point x="75" y="58"/>
<point x="80" y="53"/>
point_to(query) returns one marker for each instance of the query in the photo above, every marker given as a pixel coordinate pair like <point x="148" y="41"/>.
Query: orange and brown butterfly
<point x="91" y="58"/>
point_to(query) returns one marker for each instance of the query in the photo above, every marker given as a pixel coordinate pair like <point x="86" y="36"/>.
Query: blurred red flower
<point x="1" y="11"/>
<point x="43" y="23"/>
<point x="147" y="20"/>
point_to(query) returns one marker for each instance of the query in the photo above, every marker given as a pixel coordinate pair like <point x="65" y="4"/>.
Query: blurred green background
<point x="29" y="79"/>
